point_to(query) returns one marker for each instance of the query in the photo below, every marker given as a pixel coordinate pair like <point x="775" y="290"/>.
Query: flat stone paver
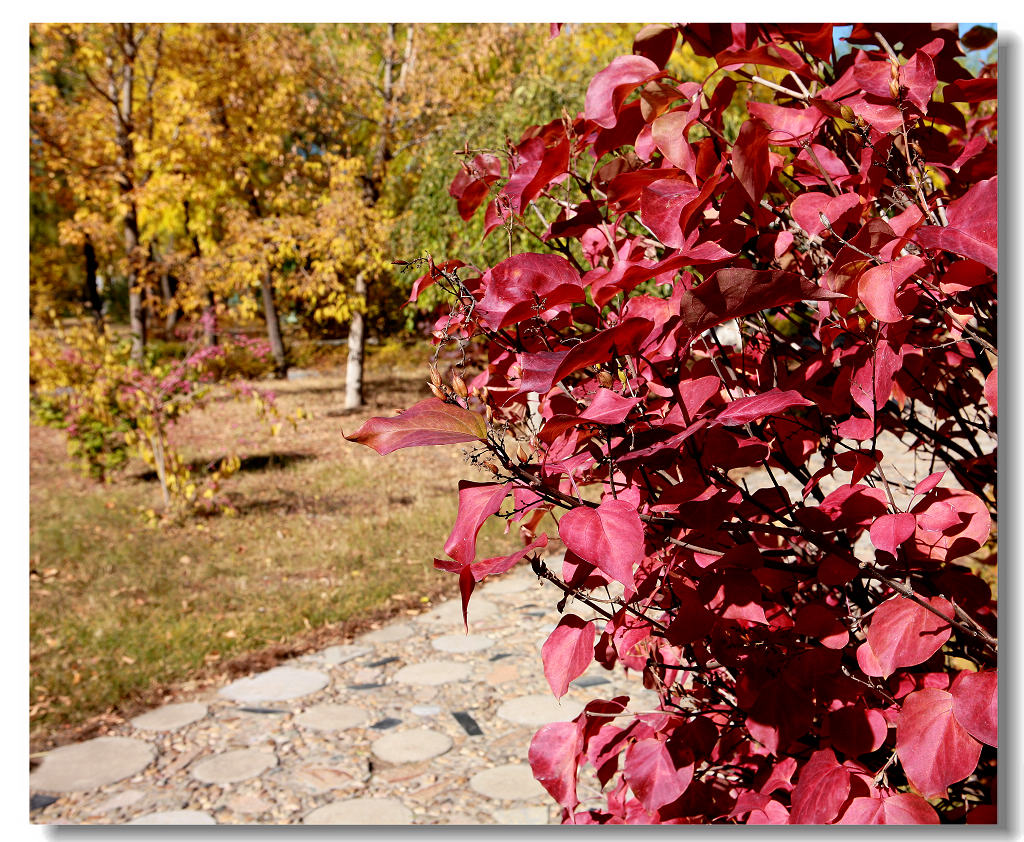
<point x="335" y="655"/>
<point x="522" y="815"/>
<point x="233" y="766"/>
<point x="329" y="717"/>
<point x="507" y="585"/>
<point x="462" y="643"/>
<point x="450" y="613"/>
<point x="92" y="764"/>
<point x="388" y="634"/>
<point x="362" y="811"/>
<point x="275" y="685"/>
<point x="412" y="746"/>
<point x="175" y="817"/>
<point x="432" y="673"/>
<point x="510" y="782"/>
<point x="170" y="717"/>
<point x="539" y="709"/>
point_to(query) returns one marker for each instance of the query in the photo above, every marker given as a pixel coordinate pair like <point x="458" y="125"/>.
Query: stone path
<point x="412" y="723"/>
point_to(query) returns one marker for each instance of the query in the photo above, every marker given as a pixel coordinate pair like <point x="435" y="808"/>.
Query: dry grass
<point x="329" y="538"/>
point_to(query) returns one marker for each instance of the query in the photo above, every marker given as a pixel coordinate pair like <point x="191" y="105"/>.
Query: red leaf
<point x="973" y="225"/>
<point x="877" y="287"/>
<point x="477" y="502"/>
<point x="611" y="537"/>
<point x="976" y="704"/>
<point x="431" y="421"/>
<point x="821" y="790"/>
<point x="901" y="808"/>
<point x="950" y="523"/>
<point x="611" y="86"/>
<point x="755" y="407"/>
<point x="652" y="774"/>
<point x="904" y="634"/>
<point x="670" y="134"/>
<point x="889" y="531"/>
<point x="554" y="757"/>
<point x="933" y="747"/>
<point x="514" y="287"/>
<point x="567" y="652"/>
<point x="970" y="90"/>
<point x="750" y="162"/>
<point x="928" y="483"/>
<point x="662" y="204"/>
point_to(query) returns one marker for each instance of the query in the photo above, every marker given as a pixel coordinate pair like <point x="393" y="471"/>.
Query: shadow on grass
<point x="253" y="464"/>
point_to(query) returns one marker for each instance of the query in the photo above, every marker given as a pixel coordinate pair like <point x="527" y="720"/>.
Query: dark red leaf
<point x="656" y="42"/>
<point x="973" y="225"/>
<point x="903" y="634"/>
<point x="730" y="293"/>
<point x="934" y="749"/>
<point x="970" y="90"/>
<point x="431" y="421"/>
<point x="516" y="285"/>
<point x="567" y="652"/>
<point x="470" y="186"/>
<point x="857" y="730"/>
<point x="918" y="76"/>
<point x="755" y="407"/>
<point x="976" y="704"/>
<point x="750" y="162"/>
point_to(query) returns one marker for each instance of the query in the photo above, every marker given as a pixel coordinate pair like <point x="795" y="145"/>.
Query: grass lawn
<point x="329" y="537"/>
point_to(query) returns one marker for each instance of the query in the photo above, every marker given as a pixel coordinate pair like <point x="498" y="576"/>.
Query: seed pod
<point x="605" y="379"/>
<point x="847" y="113"/>
<point x="491" y="467"/>
<point x="460" y="386"/>
<point x="522" y="454"/>
<point x="488" y="414"/>
<point x="894" y="87"/>
<point x="437" y="392"/>
<point x="435" y="376"/>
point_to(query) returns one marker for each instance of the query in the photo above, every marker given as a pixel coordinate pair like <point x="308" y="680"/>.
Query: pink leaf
<point x="431" y="421"/>
<point x="933" y="747"/>
<point x="902" y="808"/>
<point x="889" y="531"/>
<point x="973" y="225"/>
<point x="877" y="287"/>
<point x="652" y="774"/>
<point x="821" y="790"/>
<point x="789" y="126"/>
<point x="976" y="704"/>
<point x="611" y="86"/>
<point x="609" y="407"/>
<point x="992" y="390"/>
<point x="477" y="502"/>
<point x="904" y="634"/>
<point x="611" y="537"/>
<point x="516" y="285"/>
<point x="755" y="407"/>
<point x="918" y="75"/>
<point x="807" y="209"/>
<point x="567" y="652"/>
<point x="554" y="757"/>
<point x="928" y="483"/>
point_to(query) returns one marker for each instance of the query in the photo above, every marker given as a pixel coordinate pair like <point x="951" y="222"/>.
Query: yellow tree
<point x="93" y="92"/>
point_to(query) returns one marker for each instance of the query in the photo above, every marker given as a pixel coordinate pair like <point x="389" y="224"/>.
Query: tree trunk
<point x="136" y="310"/>
<point x="356" y="348"/>
<point x="273" y="326"/>
<point x="92" y="292"/>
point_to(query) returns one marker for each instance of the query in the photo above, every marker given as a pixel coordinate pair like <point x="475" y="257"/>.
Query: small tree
<point x="795" y="524"/>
